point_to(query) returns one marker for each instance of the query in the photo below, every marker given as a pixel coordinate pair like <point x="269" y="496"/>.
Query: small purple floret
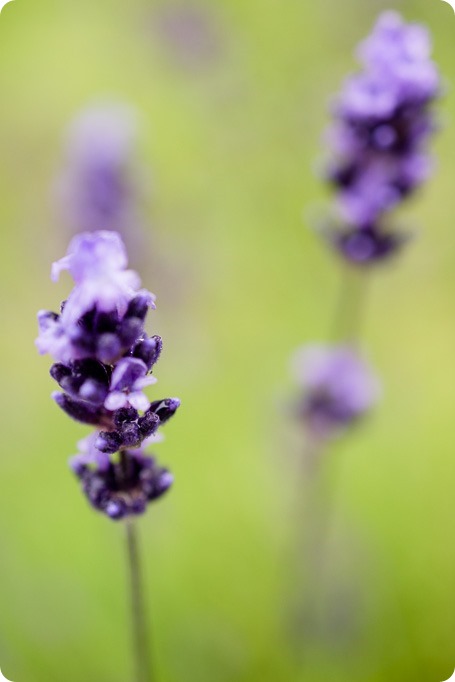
<point x="120" y="488"/>
<point x="128" y="379"/>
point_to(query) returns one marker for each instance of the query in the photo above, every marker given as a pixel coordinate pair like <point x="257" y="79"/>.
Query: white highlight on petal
<point x="115" y="401"/>
<point x="139" y="401"/>
<point x="452" y="4"/>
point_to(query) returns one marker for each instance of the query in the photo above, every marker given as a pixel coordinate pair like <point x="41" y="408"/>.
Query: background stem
<point x="349" y="314"/>
<point x="314" y="496"/>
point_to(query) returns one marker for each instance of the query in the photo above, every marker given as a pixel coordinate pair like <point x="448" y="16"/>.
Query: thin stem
<point x="313" y="516"/>
<point x="314" y="500"/>
<point x="302" y="558"/>
<point x="142" y="659"/>
<point x="350" y="310"/>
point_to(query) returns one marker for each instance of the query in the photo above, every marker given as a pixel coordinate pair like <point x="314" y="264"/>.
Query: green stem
<point x="350" y="310"/>
<point x="313" y="511"/>
<point x="140" y="638"/>
<point x="315" y="497"/>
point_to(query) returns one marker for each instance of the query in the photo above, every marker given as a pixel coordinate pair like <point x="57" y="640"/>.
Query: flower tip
<point x="390" y="17"/>
<point x="41" y="315"/>
<point x="55" y="272"/>
<point x="58" y="266"/>
<point x="76" y="465"/>
<point x="108" y="442"/>
<point x="166" y="481"/>
<point x="148" y="297"/>
<point x="115" y="510"/>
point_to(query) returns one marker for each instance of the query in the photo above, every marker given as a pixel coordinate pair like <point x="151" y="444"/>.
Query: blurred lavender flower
<point x="190" y="33"/>
<point x="105" y="360"/>
<point x="382" y="124"/>
<point x="338" y="388"/>
<point x="98" y="187"/>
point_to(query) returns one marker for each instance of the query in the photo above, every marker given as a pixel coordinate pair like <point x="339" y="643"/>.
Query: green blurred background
<point x="232" y="119"/>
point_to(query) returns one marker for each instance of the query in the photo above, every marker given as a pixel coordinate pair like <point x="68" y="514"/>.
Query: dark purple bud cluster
<point x="383" y="121"/>
<point x="369" y="244"/>
<point x="105" y="360"/>
<point x="106" y="336"/>
<point x="131" y="429"/>
<point x="124" y="487"/>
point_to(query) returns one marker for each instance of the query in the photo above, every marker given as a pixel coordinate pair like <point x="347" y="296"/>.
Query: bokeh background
<point x="232" y="98"/>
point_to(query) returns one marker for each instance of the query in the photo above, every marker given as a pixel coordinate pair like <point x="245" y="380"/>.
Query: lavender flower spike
<point x="105" y="360"/>
<point x="338" y="388"/>
<point x="100" y="184"/>
<point x="382" y="124"/>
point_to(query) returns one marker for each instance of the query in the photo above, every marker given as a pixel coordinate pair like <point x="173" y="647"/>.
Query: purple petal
<point x="126" y="373"/>
<point x="92" y="254"/>
<point x="141" y="383"/>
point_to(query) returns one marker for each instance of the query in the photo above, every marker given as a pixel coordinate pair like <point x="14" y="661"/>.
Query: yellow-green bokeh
<point x="232" y="139"/>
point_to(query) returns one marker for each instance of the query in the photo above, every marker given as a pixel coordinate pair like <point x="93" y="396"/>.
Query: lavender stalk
<point x="104" y="361"/>
<point x="382" y="123"/>
<point x="100" y="183"/>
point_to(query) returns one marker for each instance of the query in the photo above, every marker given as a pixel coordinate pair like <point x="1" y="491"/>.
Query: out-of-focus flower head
<point x="105" y="360"/>
<point x="337" y="388"/>
<point x="382" y="123"/>
<point x="190" y="32"/>
<point x="99" y="186"/>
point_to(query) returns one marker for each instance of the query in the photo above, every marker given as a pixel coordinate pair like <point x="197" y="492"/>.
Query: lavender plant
<point x="104" y="361"/>
<point x="379" y="138"/>
<point x="99" y="186"/>
<point x="382" y="123"/>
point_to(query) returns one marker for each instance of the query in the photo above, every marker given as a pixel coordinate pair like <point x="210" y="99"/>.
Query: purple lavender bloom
<point x="382" y="125"/>
<point x="121" y="487"/>
<point x="128" y="379"/>
<point x="403" y="52"/>
<point x="105" y="311"/>
<point x="98" y="187"/>
<point x="104" y="362"/>
<point x="89" y="456"/>
<point x="338" y="388"/>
